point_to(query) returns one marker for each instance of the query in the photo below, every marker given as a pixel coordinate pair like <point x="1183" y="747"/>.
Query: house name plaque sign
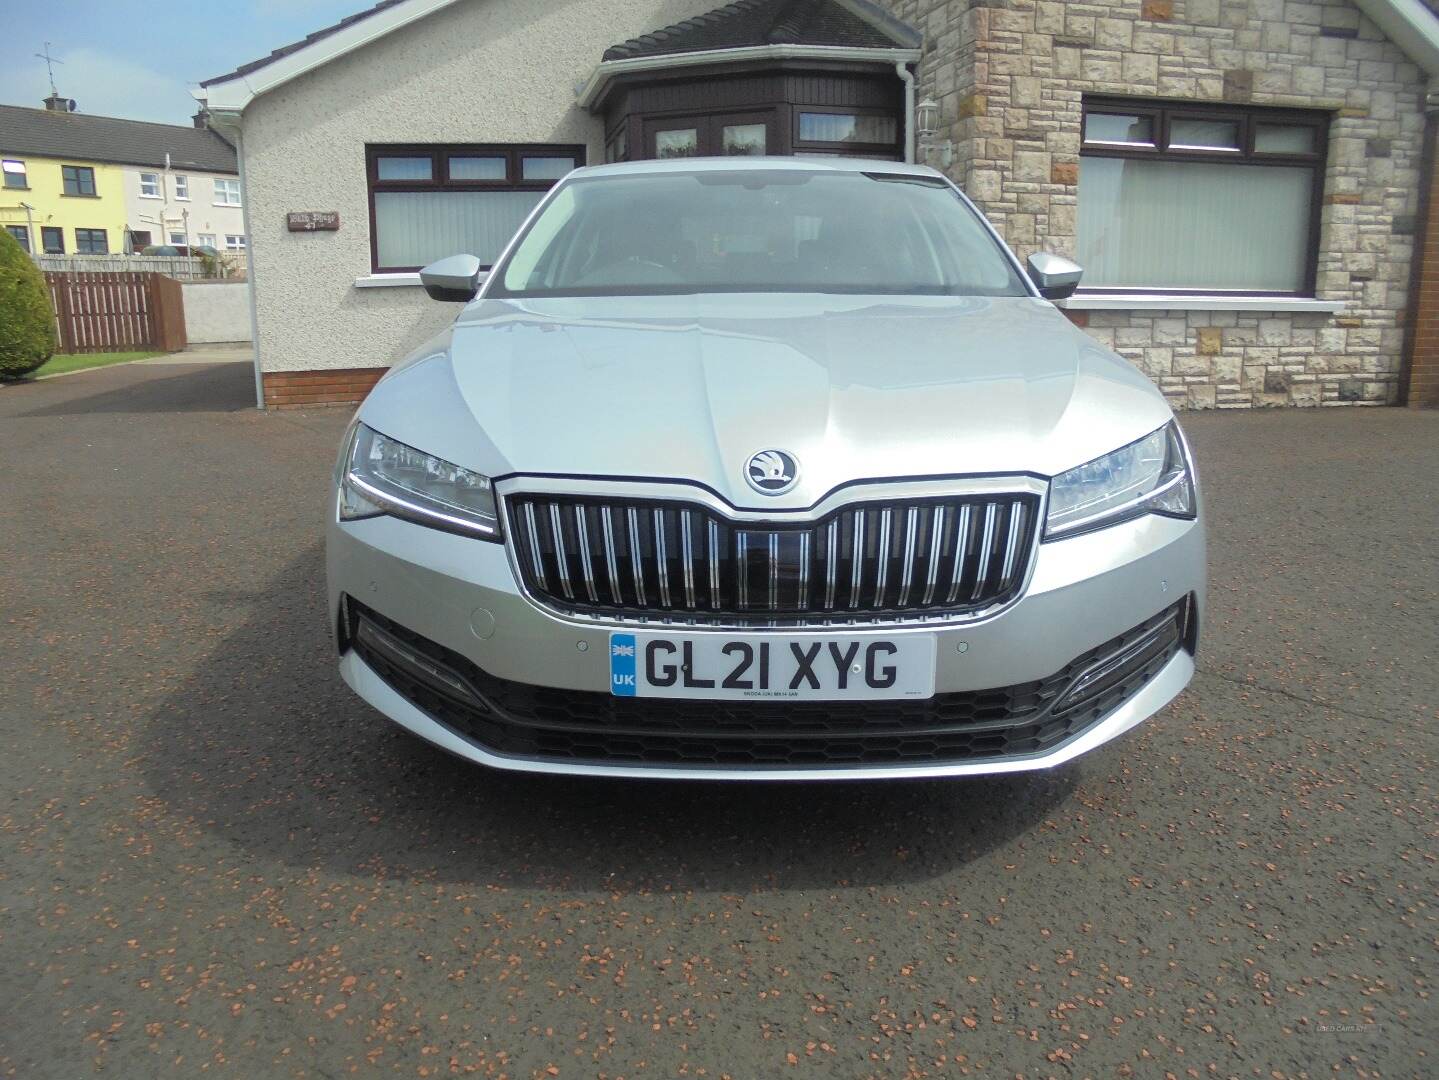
<point x="313" y="220"/>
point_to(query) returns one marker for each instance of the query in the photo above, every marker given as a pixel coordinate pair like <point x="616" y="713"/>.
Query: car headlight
<point x="383" y="476"/>
<point x="1149" y="476"/>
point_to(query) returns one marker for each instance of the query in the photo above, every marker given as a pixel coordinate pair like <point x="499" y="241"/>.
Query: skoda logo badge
<point x="772" y="472"/>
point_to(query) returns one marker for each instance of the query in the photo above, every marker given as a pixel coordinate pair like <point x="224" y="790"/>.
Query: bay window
<point x="1199" y="199"/>
<point x="427" y="201"/>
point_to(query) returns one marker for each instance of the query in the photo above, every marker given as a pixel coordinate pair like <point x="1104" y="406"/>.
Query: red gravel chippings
<point x="214" y="860"/>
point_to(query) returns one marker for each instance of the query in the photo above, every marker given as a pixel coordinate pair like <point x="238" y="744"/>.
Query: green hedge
<point x="27" y="322"/>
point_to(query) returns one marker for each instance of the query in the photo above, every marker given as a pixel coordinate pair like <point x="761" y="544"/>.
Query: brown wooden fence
<point x="118" y="312"/>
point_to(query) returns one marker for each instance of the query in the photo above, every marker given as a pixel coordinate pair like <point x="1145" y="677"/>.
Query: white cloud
<point x="102" y="85"/>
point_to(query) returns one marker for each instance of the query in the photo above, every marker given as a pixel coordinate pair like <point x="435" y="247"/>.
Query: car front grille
<point x="680" y="561"/>
<point x="577" y="726"/>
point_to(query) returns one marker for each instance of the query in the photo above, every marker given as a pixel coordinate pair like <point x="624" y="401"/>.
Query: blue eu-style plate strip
<point x="622" y="665"/>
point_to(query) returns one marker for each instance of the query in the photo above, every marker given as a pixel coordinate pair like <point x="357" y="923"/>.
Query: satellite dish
<point x="70" y="104"/>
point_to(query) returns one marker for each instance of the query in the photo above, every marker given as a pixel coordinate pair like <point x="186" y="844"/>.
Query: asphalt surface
<point x="215" y="860"/>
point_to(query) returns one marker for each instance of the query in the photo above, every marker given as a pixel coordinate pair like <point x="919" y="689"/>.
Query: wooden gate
<point x="117" y="312"/>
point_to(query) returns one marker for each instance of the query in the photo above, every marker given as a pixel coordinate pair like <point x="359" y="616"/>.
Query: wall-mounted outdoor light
<point x="926" y="124"/>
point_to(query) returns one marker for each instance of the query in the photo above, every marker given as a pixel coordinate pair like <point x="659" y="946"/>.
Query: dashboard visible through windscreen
<point x="757" y="230"/>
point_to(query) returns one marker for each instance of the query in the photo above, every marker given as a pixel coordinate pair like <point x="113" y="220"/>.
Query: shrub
<point x="27" y="322"/>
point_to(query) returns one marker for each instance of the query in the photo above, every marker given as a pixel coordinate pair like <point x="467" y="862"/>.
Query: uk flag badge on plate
<point x="622" y="665"/>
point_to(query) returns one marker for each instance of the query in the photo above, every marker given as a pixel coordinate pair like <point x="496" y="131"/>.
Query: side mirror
<point x="456" y="278"/>
<point x="1055" y="276"/>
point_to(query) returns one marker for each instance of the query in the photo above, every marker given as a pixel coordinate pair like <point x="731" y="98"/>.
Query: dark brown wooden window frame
<point x="1162" y="114"/>
<point x="46" y="231"/>
<point x="79" y="244"/>
<point x="799" y="146"/>
<point x="21" y="233"/>
<point x="79" y="180"/>
<point x="439" y="155"/>
<point x="617" y="143"/>
<point x="23" y="174"/>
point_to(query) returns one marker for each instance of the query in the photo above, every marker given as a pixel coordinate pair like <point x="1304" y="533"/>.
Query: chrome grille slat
<point x="803" y="571"/>
<point x="582" y="530"/>
<point x="607" y="523"/>
<point x="537" y="563"/>
<point x="742" y="567"/>
<point x="714" y="553"/>
<point x="774" y="571"/>
<point x="831" y="563"/>
<point x="687" y="553"/>
<point x="906" y="578"/>
<point x="982" y="574"/>
<point x="561" y="558"/>
<point x="961" y="551"/>
<point x="1011" y="545"/>
<point x="932" y="578"/>
<point x="662" y="558"/>
<point x="637" y="561"/>
<point x="857" y="558"/>
<point x="881" y="556"/>
<point x="932" y="557"/>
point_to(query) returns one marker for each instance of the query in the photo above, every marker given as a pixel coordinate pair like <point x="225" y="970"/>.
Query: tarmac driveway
<point x="215" y="860"/>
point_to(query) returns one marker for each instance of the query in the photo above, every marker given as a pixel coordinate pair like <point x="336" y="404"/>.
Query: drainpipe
<point x="1419" y="338"/>
<point x="37" y="245"/>
<point x="907" y="77"/>
<point x="249" y="262"/>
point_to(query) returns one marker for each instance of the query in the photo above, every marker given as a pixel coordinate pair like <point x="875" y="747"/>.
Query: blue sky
<point x="140" y="60"/>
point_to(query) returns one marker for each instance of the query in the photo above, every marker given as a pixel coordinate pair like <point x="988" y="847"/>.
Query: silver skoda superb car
<point x="764" y="469"/>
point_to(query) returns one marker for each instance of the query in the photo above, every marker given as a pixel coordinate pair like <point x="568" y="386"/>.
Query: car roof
<point x="756" y="164"/>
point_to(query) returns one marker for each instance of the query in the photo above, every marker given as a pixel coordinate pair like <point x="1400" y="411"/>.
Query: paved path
<point x="205" y="354"/>
<point x="215" y="861"/>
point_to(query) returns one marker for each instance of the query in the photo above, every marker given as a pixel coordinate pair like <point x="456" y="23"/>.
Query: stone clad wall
<point x="1010" y="74"/>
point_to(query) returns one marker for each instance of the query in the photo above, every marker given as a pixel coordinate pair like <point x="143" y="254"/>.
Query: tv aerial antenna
<point x="50" y="63"/>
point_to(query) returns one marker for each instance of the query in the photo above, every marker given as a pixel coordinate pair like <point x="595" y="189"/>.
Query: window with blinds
<point x="431" y="201"/>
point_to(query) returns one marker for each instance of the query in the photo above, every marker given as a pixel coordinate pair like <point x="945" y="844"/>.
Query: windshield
<point x="778" y="230"/>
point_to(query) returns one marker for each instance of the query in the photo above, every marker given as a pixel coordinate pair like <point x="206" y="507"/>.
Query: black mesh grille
<point x="583" y="726"/>
<point x="672" y="560"/>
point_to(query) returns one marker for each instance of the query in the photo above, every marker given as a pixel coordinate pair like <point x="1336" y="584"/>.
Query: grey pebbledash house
<point x="1248" y="182"/>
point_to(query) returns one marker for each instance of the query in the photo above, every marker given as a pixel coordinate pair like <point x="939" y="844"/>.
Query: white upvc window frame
<point x="235" y="243"/>
<point x="182" y="187"/>
<point x="150" y="185"/>
<point x="224" y="189"/>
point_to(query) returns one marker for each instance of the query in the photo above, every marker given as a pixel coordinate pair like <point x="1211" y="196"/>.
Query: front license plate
<point x="794" y="667"/>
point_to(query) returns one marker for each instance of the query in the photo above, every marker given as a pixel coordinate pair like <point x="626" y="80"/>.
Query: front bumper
<point x="461" y="595"/>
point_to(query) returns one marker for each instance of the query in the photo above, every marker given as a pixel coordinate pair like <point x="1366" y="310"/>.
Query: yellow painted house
<point x="65" y="205"/>
<point x="75" y="184"/>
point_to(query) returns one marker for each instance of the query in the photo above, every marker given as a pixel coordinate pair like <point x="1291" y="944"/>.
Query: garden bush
<point x="27" y="323"/>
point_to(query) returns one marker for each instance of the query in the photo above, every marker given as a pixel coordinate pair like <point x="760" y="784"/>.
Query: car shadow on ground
<point x="265" y="745"/>
<point x="132" y="388"/>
